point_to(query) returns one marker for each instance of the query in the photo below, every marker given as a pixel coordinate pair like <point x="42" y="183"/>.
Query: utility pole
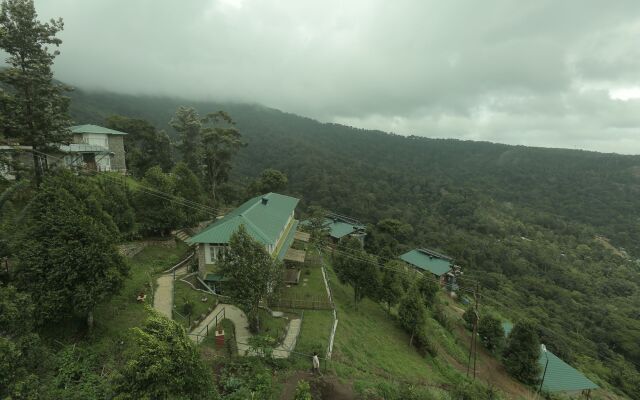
<point x="473" y="346"/>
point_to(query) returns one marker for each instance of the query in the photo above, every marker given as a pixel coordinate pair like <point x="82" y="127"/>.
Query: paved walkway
<point x="289" y="342"/>
<point x="162" y="298"/>
<point x="243" y="335"/>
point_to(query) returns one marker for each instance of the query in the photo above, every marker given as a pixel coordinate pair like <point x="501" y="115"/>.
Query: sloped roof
<point x="341" y="226"/>
<point x="263" y="220"/>
<point x="95" y="129"/>
<point x="428" y="261"/>
<point x="560" y="376"/>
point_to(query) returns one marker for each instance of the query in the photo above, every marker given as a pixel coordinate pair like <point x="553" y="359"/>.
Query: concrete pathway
<point x="289" y="342"/>
<point x="162" y="298"/>
<point x="236" y="316"/>
<point x="243" y="335"/>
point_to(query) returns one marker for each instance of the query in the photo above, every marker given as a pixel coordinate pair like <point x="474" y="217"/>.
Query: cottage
<point x="92" y="147"/>
<point x="429" y="261"/>
<point x="268" y="219"/>
<point x="340" y="226"/>
<point x="556" y="375"/>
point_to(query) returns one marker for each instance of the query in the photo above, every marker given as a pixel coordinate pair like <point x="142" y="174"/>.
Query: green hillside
<point x="550" y="234"/>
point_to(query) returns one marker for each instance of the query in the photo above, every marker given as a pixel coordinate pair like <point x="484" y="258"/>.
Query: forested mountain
<point x="532" y="225"/>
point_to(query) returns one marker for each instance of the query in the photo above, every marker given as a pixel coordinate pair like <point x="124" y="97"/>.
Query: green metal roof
<point x="428" y="262"/>
<point x="263" y="220"/>
<point x="339" y="228"/>
<point x="95" y="129"/>
<point x="287" y="241"/>
<point x="560" y="376"/>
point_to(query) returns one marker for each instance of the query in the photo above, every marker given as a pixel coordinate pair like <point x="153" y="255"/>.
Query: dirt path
<point x="325" y="387"/>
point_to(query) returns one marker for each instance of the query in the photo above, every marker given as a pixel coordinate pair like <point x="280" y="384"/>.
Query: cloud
<point x="534" y="73"/>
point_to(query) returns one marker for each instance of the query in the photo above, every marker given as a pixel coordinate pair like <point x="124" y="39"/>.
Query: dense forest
<point x="550" y="234"/>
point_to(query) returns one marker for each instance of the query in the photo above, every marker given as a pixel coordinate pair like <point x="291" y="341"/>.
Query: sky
<point x="538" y="73"/>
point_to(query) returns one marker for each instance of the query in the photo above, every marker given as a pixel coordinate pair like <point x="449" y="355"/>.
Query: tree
<point x="428" y="288"/>
<point x="16" y="312"/>
<point x="156" y="213"/>
<point x="357" y="268"/>
<point x="391" y="286"/>
<point x="270" y="180"/>
<point x="116" y="202"/>
<point x="34" y="108"/>
<point x="188" y="187"/>
<point x="412" y="312"/>
<point x="491" y="332"/>
<point x="188" y="125"/>
<point x="252" y="274"/>
<point x="318" y="225"/>
<point x="522" y="353"/>
<point x="67" y="260"/>
<point x="221" y="141"/>
<point x="164" y="365"/>
<point x="145" y="146"/>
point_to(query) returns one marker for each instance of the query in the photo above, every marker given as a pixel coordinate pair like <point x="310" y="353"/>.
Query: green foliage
<point x="317" y="225"/>
<point x="145" y="146"/>
<point x="16" y="312"/>
<point x="188" y="125"/>
<point x="357" y="268"/>
<point x="303" y="391"/>
<point x="67" y="259"/>
<point x="412" y="312"/>
<point x="428" y="288"/>
<point x="491" y="332"/>
<point x="34" y="110"/>
<point x="270" y="180"/>
<point x="252" y="274"/>
<point x="165" y="364"/>
<point x="115" y="200"/>
<point x="77" y="376"/>
<point x="188" y="187"/>
<point x="391" y="289"/>
<point x="246" y="378"/>
<point x="386" y="237"/>
<point x="469" y="317"/>
<point x="154" y="212"/>
<point x="522" y="353"/>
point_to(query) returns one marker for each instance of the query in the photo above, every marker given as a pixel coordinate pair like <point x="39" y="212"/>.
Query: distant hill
<point x="383" y="172"/>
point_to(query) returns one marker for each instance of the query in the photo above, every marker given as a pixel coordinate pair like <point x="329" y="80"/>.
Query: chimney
<point x="265" y="200"/>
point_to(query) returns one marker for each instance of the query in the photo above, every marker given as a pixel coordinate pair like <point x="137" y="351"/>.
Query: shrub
<point x="303" y="391"/>
<point x="424" y="344"/>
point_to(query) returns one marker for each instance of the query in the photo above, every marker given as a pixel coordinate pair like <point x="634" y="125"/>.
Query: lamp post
<point x="544" y="351"/>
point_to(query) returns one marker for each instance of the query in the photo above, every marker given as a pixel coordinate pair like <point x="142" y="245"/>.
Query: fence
<point x="333" y="306"/>
<point x="313" y="303"/>
<point x="204" y="332"/>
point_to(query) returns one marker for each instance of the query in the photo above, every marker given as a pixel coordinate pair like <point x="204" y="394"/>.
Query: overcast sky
<point x="541" y="73"/>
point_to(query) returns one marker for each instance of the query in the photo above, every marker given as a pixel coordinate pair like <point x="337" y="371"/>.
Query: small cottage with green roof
<point x="340" y="226"/>
<point x="268" y="219"/>
<point x="556" y="375"/>
<point x="429" y="261"/>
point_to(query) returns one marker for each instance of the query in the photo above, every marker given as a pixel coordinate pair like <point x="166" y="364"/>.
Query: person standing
<point x="316" y="363"/>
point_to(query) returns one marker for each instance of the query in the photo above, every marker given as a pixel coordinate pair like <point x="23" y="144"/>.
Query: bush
<point x="491" y="332"/>
<point x="303" y="391"/>
<point x="468" y="317"/>
<point x="441" y="316"/>
<point x="424" y="344"/>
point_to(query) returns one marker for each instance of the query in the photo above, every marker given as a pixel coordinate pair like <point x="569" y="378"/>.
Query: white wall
<point x="97" y="139"/>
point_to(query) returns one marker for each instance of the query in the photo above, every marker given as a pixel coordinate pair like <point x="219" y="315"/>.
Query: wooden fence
<point x="305" y="303"/>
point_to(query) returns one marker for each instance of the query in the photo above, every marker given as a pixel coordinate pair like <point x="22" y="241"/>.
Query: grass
<point x="115" y="318"/>
<point x="272" y="326"/>
<point x="183" y="292"/>
<point x="313" y="288"/>
<point x="369" y="343"/>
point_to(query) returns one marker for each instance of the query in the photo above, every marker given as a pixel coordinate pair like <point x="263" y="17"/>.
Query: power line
<point x="145" y="189"/>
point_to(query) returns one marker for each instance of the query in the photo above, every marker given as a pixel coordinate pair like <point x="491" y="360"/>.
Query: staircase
<point x="183" y="234"/>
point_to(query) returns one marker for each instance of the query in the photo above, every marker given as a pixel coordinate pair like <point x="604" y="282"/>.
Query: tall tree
<point x="188" y="125"/>
<point x="357" y="268"/>
<point x="67" y="260"/>
<point x="221" y="141"/>
<point x="34" y="108"/>
<point x="252" y="274"/>
<point x="412" y="312"/>
<point x="155" y="212"/>
<point x="391" y="284"/>
<point x="522" y="353"/>
<point x="270" y="180"/>
<point x="165" y="364"/>
<point x="145" y="146"/>
<point x="188" y="187"/>
<point x="318" y="225"/>
<point x="491" y="332"/>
